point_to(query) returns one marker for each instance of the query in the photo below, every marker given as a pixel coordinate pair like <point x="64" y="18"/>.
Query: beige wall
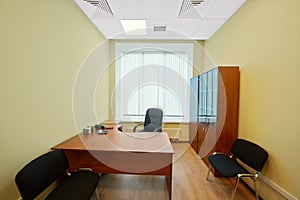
<point x="43" y="44"/>
<point x="263" y="38"/>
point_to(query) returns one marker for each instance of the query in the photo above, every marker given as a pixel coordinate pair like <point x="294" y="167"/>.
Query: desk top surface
<point x="115" y="140"/>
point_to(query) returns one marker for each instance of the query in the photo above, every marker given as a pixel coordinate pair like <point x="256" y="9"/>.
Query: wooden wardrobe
<point x="214" y="108"/>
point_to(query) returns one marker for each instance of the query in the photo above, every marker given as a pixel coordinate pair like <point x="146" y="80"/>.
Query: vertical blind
<point x="152" y="78"/>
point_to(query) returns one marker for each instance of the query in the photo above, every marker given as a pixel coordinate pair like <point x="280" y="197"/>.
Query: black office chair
<point x="249" y="153"/>
<point x="153" y="121"/>
<point x="41" y="172"/>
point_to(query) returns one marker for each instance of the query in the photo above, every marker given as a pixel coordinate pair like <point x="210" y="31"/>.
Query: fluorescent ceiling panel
<point x="134" y="27"/>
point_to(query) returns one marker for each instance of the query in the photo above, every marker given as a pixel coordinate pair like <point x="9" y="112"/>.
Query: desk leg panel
<point x="121" y="162"/>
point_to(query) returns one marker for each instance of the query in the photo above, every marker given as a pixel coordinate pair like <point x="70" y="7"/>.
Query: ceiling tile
<point x="198" y="23"/>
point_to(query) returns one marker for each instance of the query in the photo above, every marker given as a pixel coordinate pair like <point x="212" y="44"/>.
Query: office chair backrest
<point x="153" y="118"/>
<point x="147" y="118"/>
<point x="249" y="153"/>
<point x="40" y="173"/>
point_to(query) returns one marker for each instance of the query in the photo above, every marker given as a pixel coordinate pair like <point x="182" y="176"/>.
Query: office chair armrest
<point x="158" y="129"/>
<point x="135" y="127"/>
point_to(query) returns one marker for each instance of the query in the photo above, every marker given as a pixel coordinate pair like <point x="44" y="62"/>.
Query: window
<point x="153" y="75"/>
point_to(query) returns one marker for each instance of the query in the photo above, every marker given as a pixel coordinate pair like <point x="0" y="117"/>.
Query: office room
<point x="45" y="46"/>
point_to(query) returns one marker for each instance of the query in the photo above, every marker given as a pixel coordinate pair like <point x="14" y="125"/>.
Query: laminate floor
<point x="189" y="182"/>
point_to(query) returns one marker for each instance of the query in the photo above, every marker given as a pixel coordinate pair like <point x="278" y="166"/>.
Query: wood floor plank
<point x="189" y="182"/>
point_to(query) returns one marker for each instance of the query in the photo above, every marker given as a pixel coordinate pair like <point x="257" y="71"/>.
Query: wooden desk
<point x="121" y="153"/>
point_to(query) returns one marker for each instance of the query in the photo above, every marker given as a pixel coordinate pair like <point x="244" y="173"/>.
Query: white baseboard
<point x="277" y="188"/>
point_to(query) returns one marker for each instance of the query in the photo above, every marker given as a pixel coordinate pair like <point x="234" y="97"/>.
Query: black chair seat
<point x="226" y="166"/>
<point x="78" y="186"/>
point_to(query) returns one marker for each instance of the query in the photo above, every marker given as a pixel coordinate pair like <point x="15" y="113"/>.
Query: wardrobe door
<point x="193" y="126"/>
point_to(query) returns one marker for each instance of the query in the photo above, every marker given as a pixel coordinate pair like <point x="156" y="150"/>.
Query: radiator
<point x="173" y="133"/>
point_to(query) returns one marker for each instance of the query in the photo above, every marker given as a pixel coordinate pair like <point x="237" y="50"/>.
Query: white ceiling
<point x="196" y="23"/>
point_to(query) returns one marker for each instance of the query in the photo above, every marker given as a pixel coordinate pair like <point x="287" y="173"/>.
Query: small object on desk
<point x="102" y="132"/>
<point x="91" y="127"/>
<point x="87" y="130"/>
<point x="99" y="127"/>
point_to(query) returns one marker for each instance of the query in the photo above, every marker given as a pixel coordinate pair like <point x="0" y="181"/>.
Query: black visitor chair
<point x="249" y="153"/>
<point x="41" y="172"/>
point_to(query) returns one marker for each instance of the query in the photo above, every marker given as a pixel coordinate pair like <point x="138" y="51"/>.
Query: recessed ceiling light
<point x="134" y="27"/>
